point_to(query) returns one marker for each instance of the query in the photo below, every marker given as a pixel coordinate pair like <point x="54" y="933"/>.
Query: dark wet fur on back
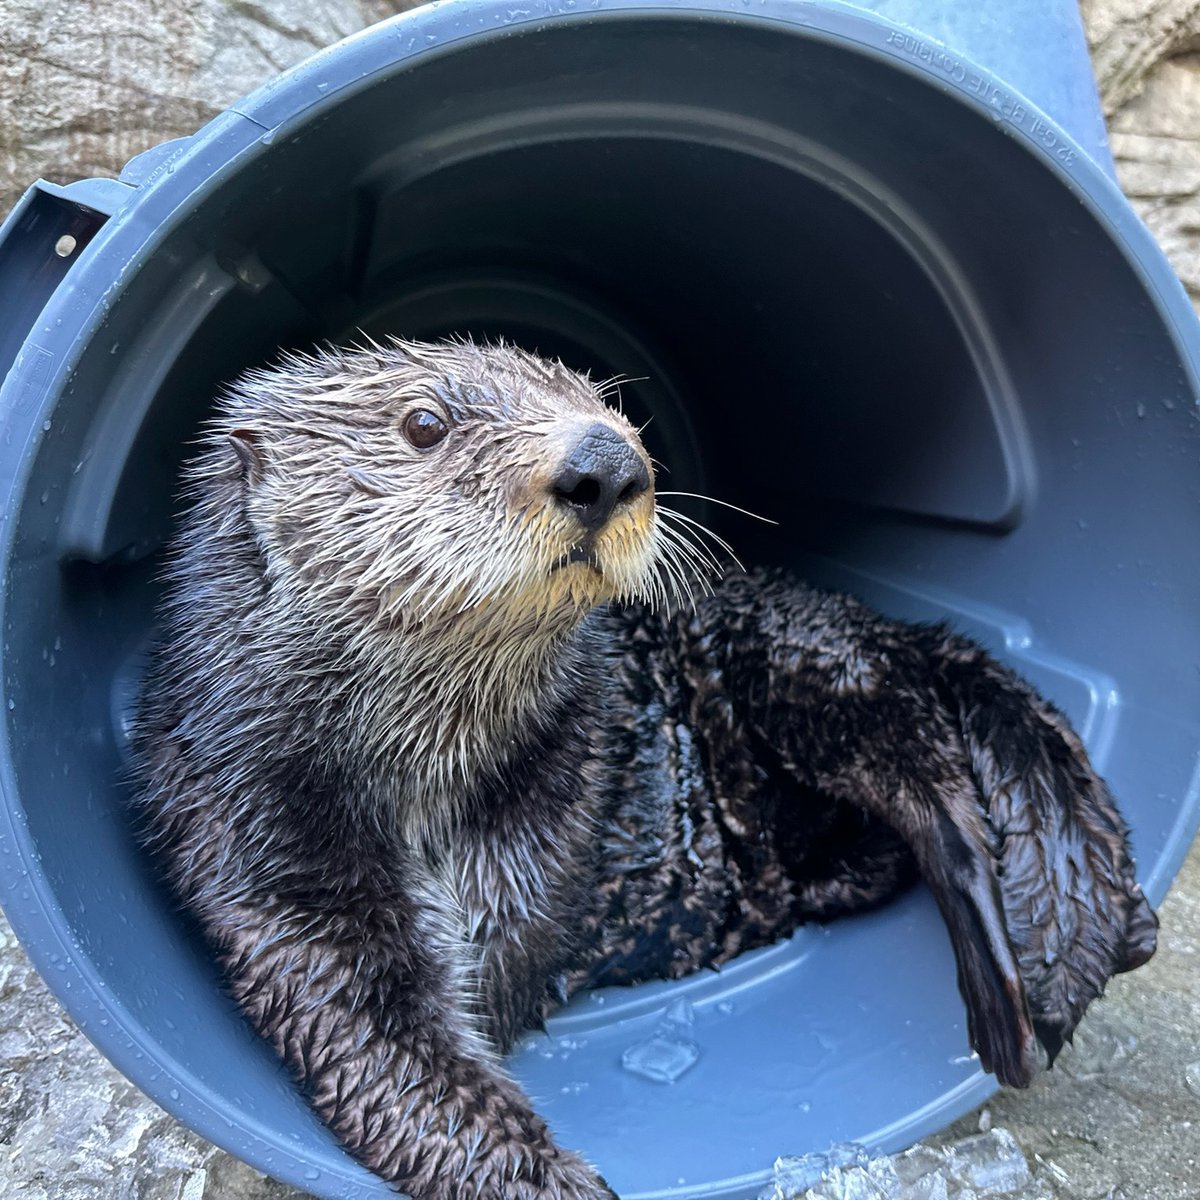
<point x="616" y="793"/>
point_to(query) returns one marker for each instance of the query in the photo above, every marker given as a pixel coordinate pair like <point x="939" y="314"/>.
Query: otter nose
<point x="603" y="470"/>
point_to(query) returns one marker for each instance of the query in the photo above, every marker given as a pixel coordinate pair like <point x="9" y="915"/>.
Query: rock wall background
<point x="85" y="85"/>
<point x="1147" y="59"/>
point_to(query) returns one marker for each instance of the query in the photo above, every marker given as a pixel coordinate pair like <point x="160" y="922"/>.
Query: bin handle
<point x="40" y="241"/>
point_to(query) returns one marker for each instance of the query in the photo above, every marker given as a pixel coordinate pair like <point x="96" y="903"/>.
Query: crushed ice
<point x="670" y="1051"/>
<point x="981" y="1167"/>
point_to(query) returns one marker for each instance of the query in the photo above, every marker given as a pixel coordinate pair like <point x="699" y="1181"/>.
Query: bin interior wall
<point x="874" y="316"/>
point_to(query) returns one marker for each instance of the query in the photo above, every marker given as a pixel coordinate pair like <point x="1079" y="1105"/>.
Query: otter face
<point x="415" y="483"/>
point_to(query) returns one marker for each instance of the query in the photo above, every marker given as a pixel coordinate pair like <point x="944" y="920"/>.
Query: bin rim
<point x="191" y="171"/>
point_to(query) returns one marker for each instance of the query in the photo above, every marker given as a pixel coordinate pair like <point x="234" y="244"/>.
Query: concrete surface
<point x="85" y="84"/>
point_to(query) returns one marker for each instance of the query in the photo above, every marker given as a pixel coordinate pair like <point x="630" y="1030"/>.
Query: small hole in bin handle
<point x="65" y="246"/>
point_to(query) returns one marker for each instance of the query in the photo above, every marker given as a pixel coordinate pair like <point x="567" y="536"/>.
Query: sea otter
<point x="449" y="720"/>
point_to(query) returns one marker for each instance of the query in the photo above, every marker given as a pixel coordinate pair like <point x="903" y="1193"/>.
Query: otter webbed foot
<point x="1074" y="912"/>
<point x="1010" y="826"/>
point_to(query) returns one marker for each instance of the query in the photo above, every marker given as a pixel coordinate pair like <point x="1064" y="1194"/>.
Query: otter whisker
<point x="688" y="542"/>
<point x="610" y="387"/>
<point x="619" y="378"/>
<point x="669" y="587"/>
<point x="693" y="541"/>
<point x="667" y="573"/>
<point x="682" y="561"/>
<point x="689" y="559"/>
<point x="704" y="531"/>
<point x="665" y="569"/>
<point x="654" y="583"/>
<point x="724" y="504"/>
<point x="691" y="537"/>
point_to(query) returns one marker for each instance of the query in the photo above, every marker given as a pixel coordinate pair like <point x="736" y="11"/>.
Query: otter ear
<point x="246" y="448"/>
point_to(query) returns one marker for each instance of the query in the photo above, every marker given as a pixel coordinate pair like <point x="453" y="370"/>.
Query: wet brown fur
<point x="419" y="781"/>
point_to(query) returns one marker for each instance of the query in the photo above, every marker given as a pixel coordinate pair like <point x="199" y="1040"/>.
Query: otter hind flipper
<point x="988" y="785"/>
<point x="1075" y="913"/>
<point x="999" y="1024"/>
<point x="939" y="816"/>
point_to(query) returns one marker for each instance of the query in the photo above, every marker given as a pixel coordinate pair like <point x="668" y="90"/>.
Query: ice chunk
<point x="663" y="1059"/>
<point x="990" y="1162"/>
<point x="875" y="1181"/>
<point x="841" y="1171"/>
<point x="922" y="1173"/>
<point x="795" y="1174"/>
<point x="670" y="1052"/>
<point x="680" y="1013"/>
<point x="1191" y="1076"/>
<point x="985" y="1166"/>
<point x="847" y="1154"/>
<point x="193" y="1189"/>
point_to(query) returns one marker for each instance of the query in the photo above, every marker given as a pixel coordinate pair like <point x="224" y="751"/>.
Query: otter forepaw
<point x="567" y="1178"/>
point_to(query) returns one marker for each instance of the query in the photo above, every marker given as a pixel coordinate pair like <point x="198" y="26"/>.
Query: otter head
<point x="441" y="487"/>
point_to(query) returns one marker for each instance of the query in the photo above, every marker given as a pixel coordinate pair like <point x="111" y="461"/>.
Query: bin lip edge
<point x="239" y="136"/>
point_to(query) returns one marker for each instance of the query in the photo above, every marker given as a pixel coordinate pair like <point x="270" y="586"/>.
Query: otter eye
<point x="424" y="428"/>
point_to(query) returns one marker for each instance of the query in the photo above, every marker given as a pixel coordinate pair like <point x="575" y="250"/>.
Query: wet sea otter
<point x="435" y="737"/>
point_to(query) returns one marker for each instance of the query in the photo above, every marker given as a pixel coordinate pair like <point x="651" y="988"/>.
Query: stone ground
<point x="84" y="85"/>
<point x="1118" y="1118"/>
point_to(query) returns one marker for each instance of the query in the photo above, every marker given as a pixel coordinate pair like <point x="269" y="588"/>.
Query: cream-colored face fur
<point x="421" y="596"/>
<point x="351" y="516"/>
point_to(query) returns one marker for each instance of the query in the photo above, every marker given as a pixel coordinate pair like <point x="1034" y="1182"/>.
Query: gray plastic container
<point x="878" y="293"/>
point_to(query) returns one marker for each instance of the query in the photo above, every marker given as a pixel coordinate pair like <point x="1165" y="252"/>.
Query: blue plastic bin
<point x="885" y="239"/>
